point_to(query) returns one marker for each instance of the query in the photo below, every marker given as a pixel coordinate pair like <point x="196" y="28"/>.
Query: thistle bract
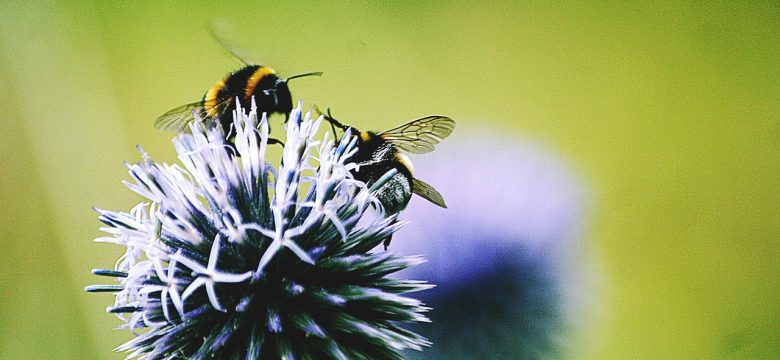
<point x="231" y="257"/>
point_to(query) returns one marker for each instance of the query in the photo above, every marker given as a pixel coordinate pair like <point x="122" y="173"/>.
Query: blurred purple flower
<point x="505" y="255"/>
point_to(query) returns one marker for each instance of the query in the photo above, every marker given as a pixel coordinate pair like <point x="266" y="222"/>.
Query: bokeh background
<point x="666" y="112"/>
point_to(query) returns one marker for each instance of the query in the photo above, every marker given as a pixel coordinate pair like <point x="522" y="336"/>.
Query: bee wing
<point x="419" y="136"/>
<point x="178" y="118"/>
<point x="427" y="192"/>
<point x="221" y="31"/>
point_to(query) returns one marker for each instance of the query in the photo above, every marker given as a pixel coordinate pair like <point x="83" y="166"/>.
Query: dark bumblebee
<point x="271" y="93"/>
<point x="381" y="152"/>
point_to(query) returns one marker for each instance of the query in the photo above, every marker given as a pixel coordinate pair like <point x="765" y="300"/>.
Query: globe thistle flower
<point x="230" y="257"/>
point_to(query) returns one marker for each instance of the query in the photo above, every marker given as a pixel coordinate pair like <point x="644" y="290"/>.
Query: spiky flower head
<point x="232" y="258"/>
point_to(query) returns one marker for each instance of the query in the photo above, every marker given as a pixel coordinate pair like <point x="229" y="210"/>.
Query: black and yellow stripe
<point x="241" y="83"/>
<point x="261" y="83"/>
<point x="263" y="72"/>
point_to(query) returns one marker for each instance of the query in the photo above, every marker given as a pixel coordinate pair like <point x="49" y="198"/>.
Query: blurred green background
<point x="670" y="110"/>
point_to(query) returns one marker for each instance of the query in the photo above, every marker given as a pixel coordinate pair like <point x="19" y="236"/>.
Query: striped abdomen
<point x="271" y="93"/>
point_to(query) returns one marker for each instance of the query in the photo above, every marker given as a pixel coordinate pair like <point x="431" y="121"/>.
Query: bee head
<point x="272" y="95"/>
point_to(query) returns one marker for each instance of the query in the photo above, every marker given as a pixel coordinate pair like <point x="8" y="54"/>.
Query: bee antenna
<point x="333" y="122"/>
<point x="317" y="110"/>
<point x="316" y="73"/>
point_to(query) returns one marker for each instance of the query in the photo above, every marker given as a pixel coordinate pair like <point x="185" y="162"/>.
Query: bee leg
<point x="386" y="243"/>
<point x="333" y="127"/>
<point x="272" y="141"/>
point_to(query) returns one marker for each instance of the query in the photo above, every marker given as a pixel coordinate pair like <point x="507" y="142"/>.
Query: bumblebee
<point x="271" y="93"/>
<point x="381" y="152"/>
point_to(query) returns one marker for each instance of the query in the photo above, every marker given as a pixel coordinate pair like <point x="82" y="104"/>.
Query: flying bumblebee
<point x="271" y="93"/>
<point x="381" y="152"/>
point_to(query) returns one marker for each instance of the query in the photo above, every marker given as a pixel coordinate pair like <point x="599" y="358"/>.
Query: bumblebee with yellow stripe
<point x="271" y="94"/>
<point x="379" y="153"/>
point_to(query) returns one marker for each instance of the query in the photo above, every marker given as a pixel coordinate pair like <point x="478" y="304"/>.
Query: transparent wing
<point x="419" y="136"/>
<point x="178" y="118"/>
<point x="221" y="31"/>
<point x="427" y="192"/>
